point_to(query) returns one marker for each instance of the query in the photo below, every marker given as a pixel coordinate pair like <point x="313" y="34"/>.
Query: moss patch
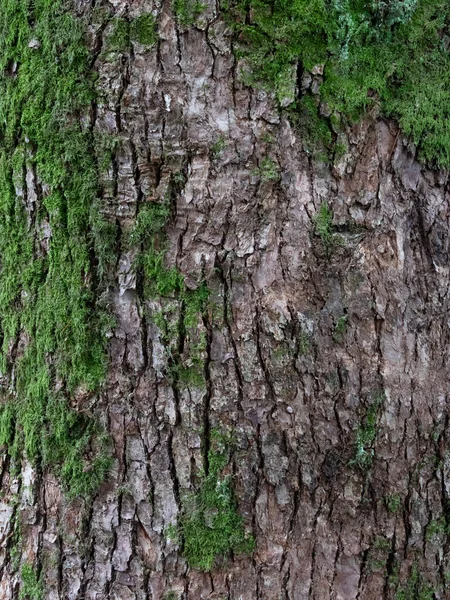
<point x="48" y="299"/>
<point x="389" y="56"/>
<point x="210" y="526"/>
<point x="187" y="11"/>
<point x="31" y="587"/>
<point x="142" y="29"/>
<point x="183" y="308"/>
<point x="367" y="433"/>
<point x="416" y="588"/>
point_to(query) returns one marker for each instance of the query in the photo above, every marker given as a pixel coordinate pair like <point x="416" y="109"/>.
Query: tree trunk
<point x="321" y="351"/>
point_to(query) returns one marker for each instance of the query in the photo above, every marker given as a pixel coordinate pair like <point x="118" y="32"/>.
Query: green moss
<point x="194" y="303"/>
<point x="388" y="56"/>
<point x="183" y="308"/>
<point x="268" y="170"/>
<point x="59" y="437"/>
<point x="187" y="11"/>
<point x="393" y="503"/>
<point x="340" y="328"/>
<point x="123" y="31"/>
<point x="366" y="434"/>
<point x="378" y="555"/>
<point x="185" y="342"/>
<point x="148" y="233"/>
<point x="118" y="39"/>
<point x="210" y="526"/>
<point x="381" y="543"/>
<point x="151" y="220"/>
<point x="49" y="299"/>
<point x="323" y="226"/>
<point x="316" y="133"/>
<point x="31" y="587"/>
<point x="218" y="147"/>
<point x="437" y="528"/>
<point x="416" y="588"/>
<point x="143" y="30"/>
<point x="189" y="371"/>
<point x="160" y="280"/>
<point x="103" y="238"/>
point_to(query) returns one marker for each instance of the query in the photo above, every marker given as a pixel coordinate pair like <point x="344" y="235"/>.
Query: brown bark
<point x="293" y="391"/>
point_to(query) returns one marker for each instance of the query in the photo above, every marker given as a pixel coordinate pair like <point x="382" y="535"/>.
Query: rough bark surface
<point x="295" y="390"/>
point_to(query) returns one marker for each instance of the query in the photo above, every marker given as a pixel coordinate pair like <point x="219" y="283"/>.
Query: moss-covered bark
<point x="224" y="367"/>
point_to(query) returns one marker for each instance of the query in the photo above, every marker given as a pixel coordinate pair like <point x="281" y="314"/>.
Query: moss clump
<point x="48" y="298"/>
<point x="210" y="526"/>
<point x="323" y="226"/>
<point x="182" y="307"/>
<point x="31" y="587"/>
<point x="118" y="39"/>
<point x="416" y="588"/>
<point x="366" y="434"/>
<point x="389" y="56"/>
<point x="393" y="503"/>
<point x="268" y="170"/>
<point x="143" y="30"/>
<point x="218" y="147"/>
<point x="51" y="432"/>
<point x="187" y="11"/>
<point x="340" y="328"/>
<point x="437" y="528"/>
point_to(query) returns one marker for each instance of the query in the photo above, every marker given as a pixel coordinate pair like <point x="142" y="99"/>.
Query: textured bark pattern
<point x="294" y="392"/>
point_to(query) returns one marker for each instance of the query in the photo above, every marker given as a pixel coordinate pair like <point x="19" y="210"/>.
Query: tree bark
<point x="328" y="362"/>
